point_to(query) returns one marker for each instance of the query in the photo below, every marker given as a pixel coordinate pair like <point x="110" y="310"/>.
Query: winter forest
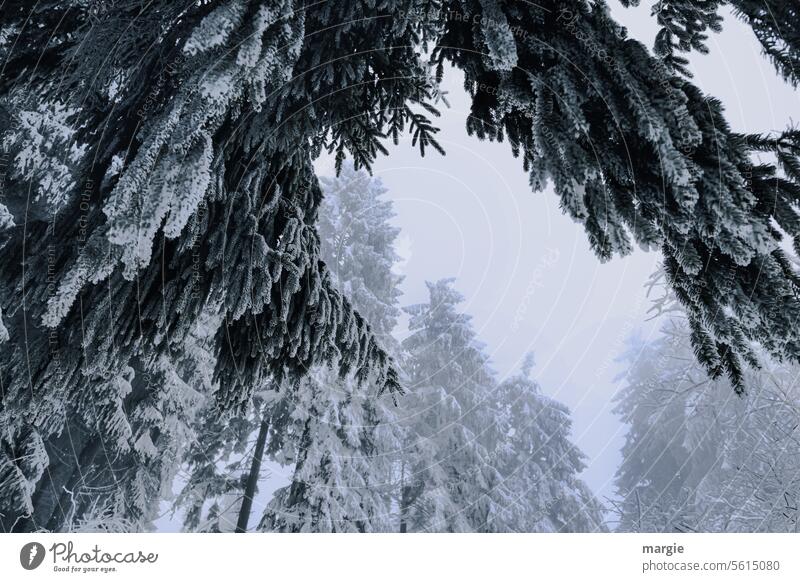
<point x="399" y="266"/>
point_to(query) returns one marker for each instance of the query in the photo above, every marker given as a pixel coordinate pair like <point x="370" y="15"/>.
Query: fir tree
<point x="691" y="190"/>
<point x="162" y="148"/>
<point x="696" y="457"/>
<point x="166" y="150"/>
<point x="479" y="456"/>
<point x="449" y="481"/>
<point x="336" y="456"/>
<point x="337" y="437"/>
<point x="357" y="243"/>
<point x="684" y="23"/>
<point x="219" y="462"/>
<point x="345" y="437"/>
<point x="538" y="463"/>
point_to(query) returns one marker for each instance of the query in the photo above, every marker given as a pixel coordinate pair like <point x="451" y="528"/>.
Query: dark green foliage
<point x="776" y="24"/>
<point x="638" y="154"/>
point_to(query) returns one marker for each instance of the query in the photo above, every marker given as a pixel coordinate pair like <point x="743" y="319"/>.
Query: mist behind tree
<point x="697" y="457"/>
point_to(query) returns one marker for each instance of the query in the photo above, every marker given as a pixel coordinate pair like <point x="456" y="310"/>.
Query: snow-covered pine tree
<point x="696" y="457"/>
<point x="539" y="464"/>
<point x="171" y="120"/>
<point x="449" y="482"/>
<point x="334" y="460"/>
<point x="345" y="438"/>
<point x="219" y="460"/>
<point x="776" y="24"/>
<point x="479" y="456"/>
<point x="357" y="243"/>
<point x="121" y="123"/>
<point x="691" y="190"/>
<point x="142" y="447"/>
<point x="339" y="438"/>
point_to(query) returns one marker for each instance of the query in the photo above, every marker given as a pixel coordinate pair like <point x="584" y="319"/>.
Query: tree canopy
<point x="159" y="167"/>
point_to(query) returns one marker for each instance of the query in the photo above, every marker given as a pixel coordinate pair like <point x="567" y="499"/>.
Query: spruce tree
<point x="449" y="481"/>
<point x="539" y="464"/>
<point x="337" y="476"/>
<point x="478" y="456"/>
<point x="171" y="124"/>
<point x="696" y="457"/>
<point x="357" y="243"/>
<point x="338" y="438"/>
<point x="690" y="190"/>
<point x="219" y="460"/>
<point x="775" y="23"/>
<point x="159" y="161"/>
<point x="345" y="436"/>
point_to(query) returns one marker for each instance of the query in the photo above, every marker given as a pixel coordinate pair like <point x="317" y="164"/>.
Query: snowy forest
<point x="204" y="314"/>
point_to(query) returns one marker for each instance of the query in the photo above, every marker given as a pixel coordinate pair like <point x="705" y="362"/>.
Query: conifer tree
<point x="219" y="460"/>
<point x="696" y="457"/>
<point x="450" y="483"/>
<point x="690" y="190"/>
<point x="182" y="129"/>
<point x="479" y="456"/>
<point x="338" y="438"/>
<point x="345" y="437"/>
<point x="538" y="463"/>
<point x="775" y="23"/>
<point x="160" y="161"/>
<point x="357" y="243"/>
<point x="336" y="455"/>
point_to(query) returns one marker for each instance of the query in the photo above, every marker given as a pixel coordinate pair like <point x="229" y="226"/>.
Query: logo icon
<point x="31" y="555"/>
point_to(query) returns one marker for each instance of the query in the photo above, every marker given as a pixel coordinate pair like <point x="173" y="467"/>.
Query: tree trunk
<point x="67" y="452"/>
<point x="252" y="478"/>
<point x="63" y="512"/>
<point x="403" y="504"/>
